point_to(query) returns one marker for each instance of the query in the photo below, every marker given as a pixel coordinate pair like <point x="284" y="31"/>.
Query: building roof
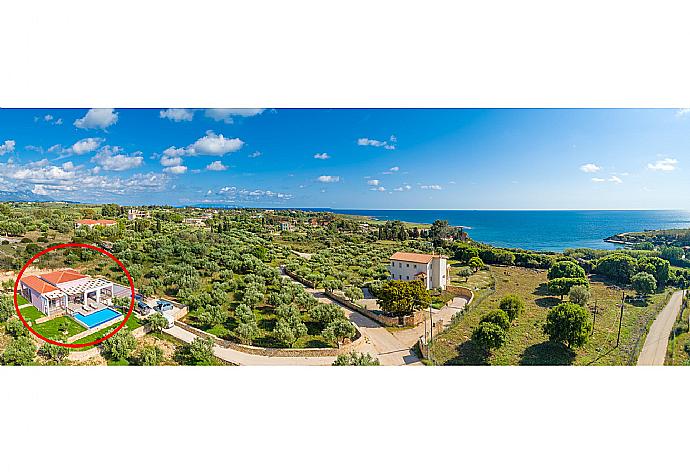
<point x="62" y="276"/>
<point x="96" y="222"/>
<point x="40" y="286"/>
<point x="412" y="257"/>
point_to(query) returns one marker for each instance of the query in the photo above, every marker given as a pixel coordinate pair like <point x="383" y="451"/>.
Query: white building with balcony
<point x="432" y="269"/>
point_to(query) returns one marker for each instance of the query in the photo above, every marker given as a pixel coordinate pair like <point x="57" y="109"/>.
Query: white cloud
<point x="215" y="145"/>
<point x="378" y="189"/>
<point x="175" y="169"/>
<point x="177" y="114"/>
<point x="597" y="179"/>
<point x="394" y="169"/>
<point x="430" y="187"/>
<point x="328" y="178"/>
<point x="590" y="168"/>
<point x="217" y="166"/>
<point x="321" y="155"/>
<point x="85" y="145"/>
<point x="665" y="165"/>
<point x="615" y="179"/>
<point x="377" y="143"/>
<point x="100" y="118"/>
<point x="226" y="114"/>
<point x="111" y="158"/>
<point x="48" y="117"/>
<point x="255" y="154"/>
<point x="168" y="161"/>
<point x="7" y="147"/>
<point x="403" y="188"/>
<point x="373" y="182"/>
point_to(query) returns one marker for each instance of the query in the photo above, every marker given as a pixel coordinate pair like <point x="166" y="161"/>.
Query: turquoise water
<point x="97" y="318"/>
<point x="541" y="230"/>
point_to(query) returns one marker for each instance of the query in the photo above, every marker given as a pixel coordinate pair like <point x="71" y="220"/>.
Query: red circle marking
<point x="86" y="246"/>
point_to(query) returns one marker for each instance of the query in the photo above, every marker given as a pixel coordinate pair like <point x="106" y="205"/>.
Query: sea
<point x="541" y="230"/>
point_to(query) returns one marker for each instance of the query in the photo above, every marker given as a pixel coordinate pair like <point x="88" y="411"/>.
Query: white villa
<point x="432" y="269"/>
<point x="133" y="214"/>
<point x="92" y="223"/>
<point x="65" y="289"/>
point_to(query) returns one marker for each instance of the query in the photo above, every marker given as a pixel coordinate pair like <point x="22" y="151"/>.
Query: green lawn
<point x="21" y="300"/>
<point x="31" y="313"/>
<point x="51" y="329"/>
<point x="526" y="343"/>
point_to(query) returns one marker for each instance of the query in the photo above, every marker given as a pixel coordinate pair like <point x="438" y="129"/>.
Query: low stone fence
<point x="298" y="278"/>
<point x="383" y="319"/>
<point x="274" y="352"/>
<point x="461" y="292"/>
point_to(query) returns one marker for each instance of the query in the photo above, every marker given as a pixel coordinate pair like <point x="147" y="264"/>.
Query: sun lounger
<point x="85" y="308"/>
<point x="93" y="305"/>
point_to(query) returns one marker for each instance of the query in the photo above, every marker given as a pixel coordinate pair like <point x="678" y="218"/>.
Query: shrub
<point x="150" y="355"/>
<point x="568" y="324"/>
<point x="643" y="283"/>
<point x="579" y="295"/>
<point x="19" y="351"/>
<point x="354" y="358"/>
<point x="489" y="336"/>
<point x="565" y="269"/>
<point x="15" y="328"/>
<point x="119" y="346"/>
<point x="562" y="286"/>
<point x="497" y="317"/>
<point x="513" y="305"/>
<point x="54" y="352"/>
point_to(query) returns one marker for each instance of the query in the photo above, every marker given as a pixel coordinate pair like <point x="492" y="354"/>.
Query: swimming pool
<point x="96" y="318"/>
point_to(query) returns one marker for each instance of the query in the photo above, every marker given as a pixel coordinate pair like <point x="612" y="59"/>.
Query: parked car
<point x="143" y="308"/>
<point x="163" y="306"/>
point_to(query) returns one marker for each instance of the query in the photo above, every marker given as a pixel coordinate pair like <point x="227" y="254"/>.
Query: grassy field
<point x="676" y="353"/>
<point x="31" y="313"/>
<point x="21" y="300"/>
<point x="526" y="344"/>
<point x="53" y="329"/>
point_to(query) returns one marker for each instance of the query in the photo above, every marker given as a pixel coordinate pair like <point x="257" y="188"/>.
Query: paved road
<point x="654" y="349"/>
<point x="386" y="347"/>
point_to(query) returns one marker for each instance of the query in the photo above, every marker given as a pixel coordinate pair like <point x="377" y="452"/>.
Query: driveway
<point x="655" y="345"/>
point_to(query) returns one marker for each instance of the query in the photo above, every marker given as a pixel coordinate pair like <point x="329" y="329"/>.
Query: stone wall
<point x="298" y="278"/>
<point x="383" y="319"/>
<point x="275" y="352"/>
<point x="461" y="292"/>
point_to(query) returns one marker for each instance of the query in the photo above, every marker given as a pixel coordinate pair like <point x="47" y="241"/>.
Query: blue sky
<point x="358" y="158"/>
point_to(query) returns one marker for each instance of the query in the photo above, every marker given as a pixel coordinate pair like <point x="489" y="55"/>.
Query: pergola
<point x="95" y="286"/>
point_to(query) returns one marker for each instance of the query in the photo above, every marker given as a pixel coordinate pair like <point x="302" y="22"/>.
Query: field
<point x="526" y="344"/>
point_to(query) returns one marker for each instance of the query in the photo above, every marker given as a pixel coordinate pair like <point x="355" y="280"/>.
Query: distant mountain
<point x="24" y="196"/>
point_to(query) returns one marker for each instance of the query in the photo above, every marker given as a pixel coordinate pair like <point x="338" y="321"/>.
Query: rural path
<point x="655" y="345"/>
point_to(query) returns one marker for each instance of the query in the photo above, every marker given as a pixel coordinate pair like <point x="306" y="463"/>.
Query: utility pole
<point x="620" y="320"/>
<point x="595" y="316"/>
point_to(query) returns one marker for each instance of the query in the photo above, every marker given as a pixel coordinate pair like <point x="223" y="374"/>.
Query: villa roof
<point x="40" y="286"/>
<point x="412" y="257"/>
<point x="96" y="222"/>
<point x="62" y="276"/>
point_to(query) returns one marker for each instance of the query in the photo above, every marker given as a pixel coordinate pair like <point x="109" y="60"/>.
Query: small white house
<point x="432" y="269"/>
